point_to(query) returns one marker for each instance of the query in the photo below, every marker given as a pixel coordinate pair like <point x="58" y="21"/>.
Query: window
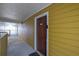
<point x="10" y="28"/>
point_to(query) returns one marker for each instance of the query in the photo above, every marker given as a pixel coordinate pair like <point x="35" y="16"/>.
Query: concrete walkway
<point x="18" y="48"/>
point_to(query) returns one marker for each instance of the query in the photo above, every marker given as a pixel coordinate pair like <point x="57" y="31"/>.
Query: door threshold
<point x="39" y="53"/>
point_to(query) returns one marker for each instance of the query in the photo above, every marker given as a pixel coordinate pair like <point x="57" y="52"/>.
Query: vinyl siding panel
<point x="30" y="32"/>
<point x="64" y="29"/>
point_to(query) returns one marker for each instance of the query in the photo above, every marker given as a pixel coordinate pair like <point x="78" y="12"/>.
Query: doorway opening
<point x="41" y="34"/>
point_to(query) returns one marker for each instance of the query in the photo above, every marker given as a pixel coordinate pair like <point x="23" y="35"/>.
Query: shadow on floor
<point x="34" y="54"/>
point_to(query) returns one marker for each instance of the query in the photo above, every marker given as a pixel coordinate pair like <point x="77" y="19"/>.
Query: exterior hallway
<point x="18" y="48"/>
<point x="14" y="22"/>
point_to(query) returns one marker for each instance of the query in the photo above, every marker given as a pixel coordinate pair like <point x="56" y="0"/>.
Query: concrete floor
<point x="18" y="48"/>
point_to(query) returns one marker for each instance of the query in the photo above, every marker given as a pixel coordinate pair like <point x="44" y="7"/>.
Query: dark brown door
<point x="41" y="34"/>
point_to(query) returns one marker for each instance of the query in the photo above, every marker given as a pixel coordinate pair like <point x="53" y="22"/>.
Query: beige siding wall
<point x="3" y="45"/>
<point x="30" y="32"/>
<point x="63" y="29"/>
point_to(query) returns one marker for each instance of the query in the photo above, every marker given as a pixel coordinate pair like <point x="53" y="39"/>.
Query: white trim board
<point x="35" y="34"/>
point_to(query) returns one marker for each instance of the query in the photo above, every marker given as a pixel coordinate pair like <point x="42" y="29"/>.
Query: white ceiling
<point x="19" y="11"/>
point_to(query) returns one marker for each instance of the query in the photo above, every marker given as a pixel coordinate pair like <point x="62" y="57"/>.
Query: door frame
<point x="35" y="32"/>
